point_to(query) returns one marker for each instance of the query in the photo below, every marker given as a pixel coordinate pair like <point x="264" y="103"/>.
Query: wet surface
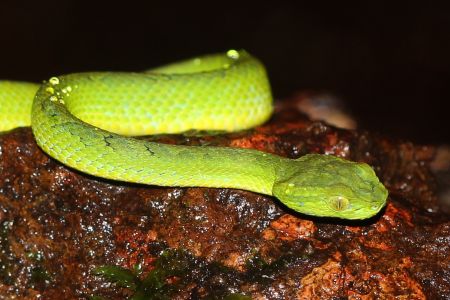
<point x="59" y="226"/>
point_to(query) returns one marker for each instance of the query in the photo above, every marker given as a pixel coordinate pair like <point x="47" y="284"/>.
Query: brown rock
<point x="58" y="225"/>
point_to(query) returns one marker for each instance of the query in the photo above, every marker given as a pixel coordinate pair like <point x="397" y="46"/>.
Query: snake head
<point x="328" y="186"/>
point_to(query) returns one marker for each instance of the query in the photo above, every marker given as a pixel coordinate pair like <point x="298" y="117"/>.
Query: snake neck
<point x="216" y="167"/>
<point x="245" y="169"/>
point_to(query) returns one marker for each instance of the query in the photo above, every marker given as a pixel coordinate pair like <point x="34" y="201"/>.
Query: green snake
<point x="86" y="121"/>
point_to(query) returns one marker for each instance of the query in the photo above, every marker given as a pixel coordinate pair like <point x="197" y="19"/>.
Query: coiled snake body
<point x="85" y="120"/>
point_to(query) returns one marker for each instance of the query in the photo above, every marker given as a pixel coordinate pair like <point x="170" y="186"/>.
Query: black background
<point x="390" y="63"/>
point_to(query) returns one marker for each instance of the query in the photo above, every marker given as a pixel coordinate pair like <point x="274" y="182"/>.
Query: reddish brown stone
<point x="58" y="225"/>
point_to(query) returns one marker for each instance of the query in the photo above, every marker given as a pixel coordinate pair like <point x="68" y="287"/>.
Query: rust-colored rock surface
<point x="60" y="227"/>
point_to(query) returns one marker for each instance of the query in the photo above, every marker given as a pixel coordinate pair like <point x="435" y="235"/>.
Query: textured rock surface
<point x="58" y="225"/>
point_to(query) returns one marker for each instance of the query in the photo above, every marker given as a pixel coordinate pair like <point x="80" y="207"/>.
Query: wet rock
<point x="58" y="226"/>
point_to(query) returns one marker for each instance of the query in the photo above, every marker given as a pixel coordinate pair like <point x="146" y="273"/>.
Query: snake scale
<point x="86" y="121"/>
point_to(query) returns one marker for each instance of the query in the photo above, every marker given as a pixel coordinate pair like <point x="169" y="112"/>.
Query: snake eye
<point x="339" y="203"/>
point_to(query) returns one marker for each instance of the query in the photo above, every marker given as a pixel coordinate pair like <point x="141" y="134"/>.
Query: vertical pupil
<point x="339" y="203"/>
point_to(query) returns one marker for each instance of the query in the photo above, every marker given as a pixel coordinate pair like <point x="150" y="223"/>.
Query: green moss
<point x="237" y="297"/>
<point x="173" y="271"/>
<point x="121" y="276"/>
<point x="154" y="285"/>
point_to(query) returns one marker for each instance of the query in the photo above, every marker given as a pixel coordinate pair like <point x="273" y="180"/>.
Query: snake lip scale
<point x="87" y="120"/>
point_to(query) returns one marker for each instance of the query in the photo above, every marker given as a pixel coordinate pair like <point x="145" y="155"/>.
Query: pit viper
<point x="87" y="120"/>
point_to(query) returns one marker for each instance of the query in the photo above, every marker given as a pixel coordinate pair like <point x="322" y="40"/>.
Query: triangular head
<point x="328" y="186"/>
